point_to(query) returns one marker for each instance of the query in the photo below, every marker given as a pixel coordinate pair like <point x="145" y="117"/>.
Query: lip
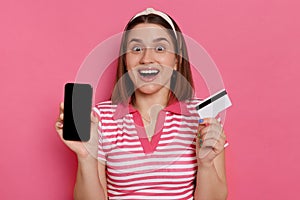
<point x="152" y="71"/>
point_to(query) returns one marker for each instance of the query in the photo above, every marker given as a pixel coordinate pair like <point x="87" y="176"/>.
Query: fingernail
<point x="95" y="114"/>
<point x="200" y="142"/>
<point x="201" y="120"/>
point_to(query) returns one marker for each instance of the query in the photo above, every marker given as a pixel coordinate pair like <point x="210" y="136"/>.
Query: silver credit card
<point x="213" y="105"/>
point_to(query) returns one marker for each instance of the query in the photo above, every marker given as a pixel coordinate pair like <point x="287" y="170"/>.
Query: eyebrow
<point x="161" y="39"/>
<point x="135" y="40"/>
<point x="155" y="40"/>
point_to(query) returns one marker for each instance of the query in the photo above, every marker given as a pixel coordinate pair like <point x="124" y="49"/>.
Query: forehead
<point x="148" y="32"/>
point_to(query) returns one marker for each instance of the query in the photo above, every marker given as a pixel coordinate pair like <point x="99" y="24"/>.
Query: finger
<point x="199" y="130"/>
<point x="93" y="143"/>
<point x="223" y="135"/>
<point x="94" y="123"/>
<point x="221" y="139"/>
<point x="219" y="147"/>
<point x="204" y="151"/>
<point x="61" y="111"/>
<point x="61" y="116"/>
<point x="202" y="123"/>
<point x="61" y="106"/>
<point x="212" y="135"/>
<point x="200" y="127"/>
<point x="209" y="121"/>
<point x="211" y="128"/>
<point x="58" y="127"/>
<point x="209" y="143"/>
<point x="214" y="143"/>
<point x="203" y="131"/>
<point x="205" y="142"/>
<point x="94" y="117"/>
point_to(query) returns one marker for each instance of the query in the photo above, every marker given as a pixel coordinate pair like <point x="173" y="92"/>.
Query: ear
<point x="176" y="63"/>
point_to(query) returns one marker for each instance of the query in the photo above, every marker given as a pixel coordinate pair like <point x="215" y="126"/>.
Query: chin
<point x="149" y="89"/>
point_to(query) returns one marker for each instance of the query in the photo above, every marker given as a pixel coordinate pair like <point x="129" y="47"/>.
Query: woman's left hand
<point x="210" y="141"/>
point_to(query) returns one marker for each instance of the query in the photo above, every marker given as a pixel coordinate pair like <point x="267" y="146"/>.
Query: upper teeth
<point x="150" y="71"/>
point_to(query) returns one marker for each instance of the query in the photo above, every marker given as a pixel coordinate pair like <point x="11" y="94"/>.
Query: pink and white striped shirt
<point x="163" y="168"/>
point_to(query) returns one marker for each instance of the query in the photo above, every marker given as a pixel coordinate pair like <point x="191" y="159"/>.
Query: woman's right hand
<point x="82" y="149"/>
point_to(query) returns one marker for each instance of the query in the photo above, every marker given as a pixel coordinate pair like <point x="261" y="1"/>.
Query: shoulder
<point x="193" y="102"/>
<point x="191" y="105"/>
<point x="105" y="107"/>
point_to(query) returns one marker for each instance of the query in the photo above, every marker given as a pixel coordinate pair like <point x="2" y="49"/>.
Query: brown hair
<point x="181" y="87"/>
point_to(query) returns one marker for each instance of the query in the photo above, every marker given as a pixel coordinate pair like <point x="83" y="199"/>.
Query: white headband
<point x="159" y="13"/>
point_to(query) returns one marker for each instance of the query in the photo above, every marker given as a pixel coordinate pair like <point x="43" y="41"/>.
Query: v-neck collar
<point x="149" y="146"/>
<point x="177" y="107"/>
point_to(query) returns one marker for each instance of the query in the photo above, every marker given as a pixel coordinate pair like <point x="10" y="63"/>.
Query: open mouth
<point x="148" y="73"/>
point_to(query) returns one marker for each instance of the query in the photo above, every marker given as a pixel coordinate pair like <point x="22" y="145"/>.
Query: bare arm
<point x="88" y="185"/>
<point x="102" y="177"/>
<point x="211" y="177"/>
<point x="211" y="180"/>
<point x="89" y="178"/>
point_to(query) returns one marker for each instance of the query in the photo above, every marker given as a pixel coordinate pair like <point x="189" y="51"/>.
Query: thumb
<point x="94" y="125"/>
<point x="94" y="119"/>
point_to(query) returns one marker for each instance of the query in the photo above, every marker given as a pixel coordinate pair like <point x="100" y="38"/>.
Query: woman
<point x="147" y="144"/>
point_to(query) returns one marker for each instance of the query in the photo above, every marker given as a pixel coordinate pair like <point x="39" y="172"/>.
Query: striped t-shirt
<point x="136" y="168"/>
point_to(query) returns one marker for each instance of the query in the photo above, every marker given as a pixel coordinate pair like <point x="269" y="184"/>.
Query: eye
<point x="160" y="48"/>
<point x="137" y="49"/>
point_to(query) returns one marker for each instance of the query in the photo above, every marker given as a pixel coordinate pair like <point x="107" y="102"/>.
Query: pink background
<point x="254" y="44"/>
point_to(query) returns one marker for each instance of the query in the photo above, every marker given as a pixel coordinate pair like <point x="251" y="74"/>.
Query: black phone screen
<point x="77" y="111"/>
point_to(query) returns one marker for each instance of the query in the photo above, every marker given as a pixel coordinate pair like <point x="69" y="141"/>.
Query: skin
<point x="211" y="178"/>
<point x="145" y="50"/>
<point x="150" y="46"/>
<point x="90" y="179"/>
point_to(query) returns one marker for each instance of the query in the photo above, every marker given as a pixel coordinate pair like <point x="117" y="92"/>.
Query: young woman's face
<point x="150" y="57"/>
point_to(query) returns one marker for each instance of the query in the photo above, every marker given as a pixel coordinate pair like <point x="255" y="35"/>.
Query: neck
<point x="145" y="102"/>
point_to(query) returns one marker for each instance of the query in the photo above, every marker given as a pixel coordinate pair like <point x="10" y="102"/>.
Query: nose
<point x="147" y="56"/>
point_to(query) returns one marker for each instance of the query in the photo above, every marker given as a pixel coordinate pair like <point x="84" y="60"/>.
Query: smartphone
<point x="77" y="111"/>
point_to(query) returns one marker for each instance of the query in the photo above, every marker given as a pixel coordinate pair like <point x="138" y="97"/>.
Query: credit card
<point x="213" y="105"/>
